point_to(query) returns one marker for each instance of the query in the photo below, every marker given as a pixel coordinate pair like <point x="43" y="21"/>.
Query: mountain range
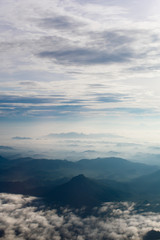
<point x="82" y="183"/>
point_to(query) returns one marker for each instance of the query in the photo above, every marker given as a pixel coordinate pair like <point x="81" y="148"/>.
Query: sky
<point x="89" y="67"/>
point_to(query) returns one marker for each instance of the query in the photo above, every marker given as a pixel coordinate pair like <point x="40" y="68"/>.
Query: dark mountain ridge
<point x="107" y="179"/>
<point x="82" y="191"/>
<point x="112" y="168"/>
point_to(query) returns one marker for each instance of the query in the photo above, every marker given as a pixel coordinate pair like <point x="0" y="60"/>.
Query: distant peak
<point x="79" y="177"/>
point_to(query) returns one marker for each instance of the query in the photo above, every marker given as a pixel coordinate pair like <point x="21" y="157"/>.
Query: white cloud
<point x="26" y="218"/>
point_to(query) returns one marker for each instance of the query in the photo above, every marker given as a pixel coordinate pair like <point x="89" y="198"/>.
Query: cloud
<point x="61" y="22"/>
<point x="84" y="37"/>
<point x="108" y="99"/>
<point x="98" y="59"/>
<point x="21" y="112"/>
<point x="81" y="56"/>
<point x="53" y="105"/>
<point x="21" y="138"/>
<point x="56" y="104"/>
<point x="73" y="37"/>
<point x="28" y="218"/>
<point x="28" y="100"/>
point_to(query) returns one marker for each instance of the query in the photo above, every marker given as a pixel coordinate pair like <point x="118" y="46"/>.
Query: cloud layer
<point x="54" y="54"/>
<point x="27" y="218"/>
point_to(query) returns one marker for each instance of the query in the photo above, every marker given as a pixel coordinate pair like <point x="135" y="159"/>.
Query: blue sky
<point x="79" y="66"/>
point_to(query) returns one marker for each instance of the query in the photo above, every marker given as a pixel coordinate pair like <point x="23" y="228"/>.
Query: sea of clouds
<point x="25" y="217"/>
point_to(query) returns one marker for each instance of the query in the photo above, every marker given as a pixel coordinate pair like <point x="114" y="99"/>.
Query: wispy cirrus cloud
<point x="57" y="104"/>
<point x="80" y="61"/>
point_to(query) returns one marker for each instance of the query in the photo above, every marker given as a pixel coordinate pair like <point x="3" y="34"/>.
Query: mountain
<point x="114" y="179"/>
<point x="114" y="168"/>
<point x="43" y="170"/>
<point x="152" y="235"/>
<point x="3" y="162"/>
<point x="147" y="186"/>
<point x="82" y="191"/>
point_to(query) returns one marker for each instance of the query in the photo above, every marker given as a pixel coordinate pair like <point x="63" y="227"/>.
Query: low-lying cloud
<point x="82" y="135"/>
<point x="24" y="217"/>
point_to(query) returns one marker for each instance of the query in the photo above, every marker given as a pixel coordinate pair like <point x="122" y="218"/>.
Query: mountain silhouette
<point x="152" y="235"/>
<point x="82" y="191"/>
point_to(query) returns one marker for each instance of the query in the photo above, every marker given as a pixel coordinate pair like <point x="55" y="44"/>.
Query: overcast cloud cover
<point x="24" y="217"/>
<point x="84" y="66"/>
